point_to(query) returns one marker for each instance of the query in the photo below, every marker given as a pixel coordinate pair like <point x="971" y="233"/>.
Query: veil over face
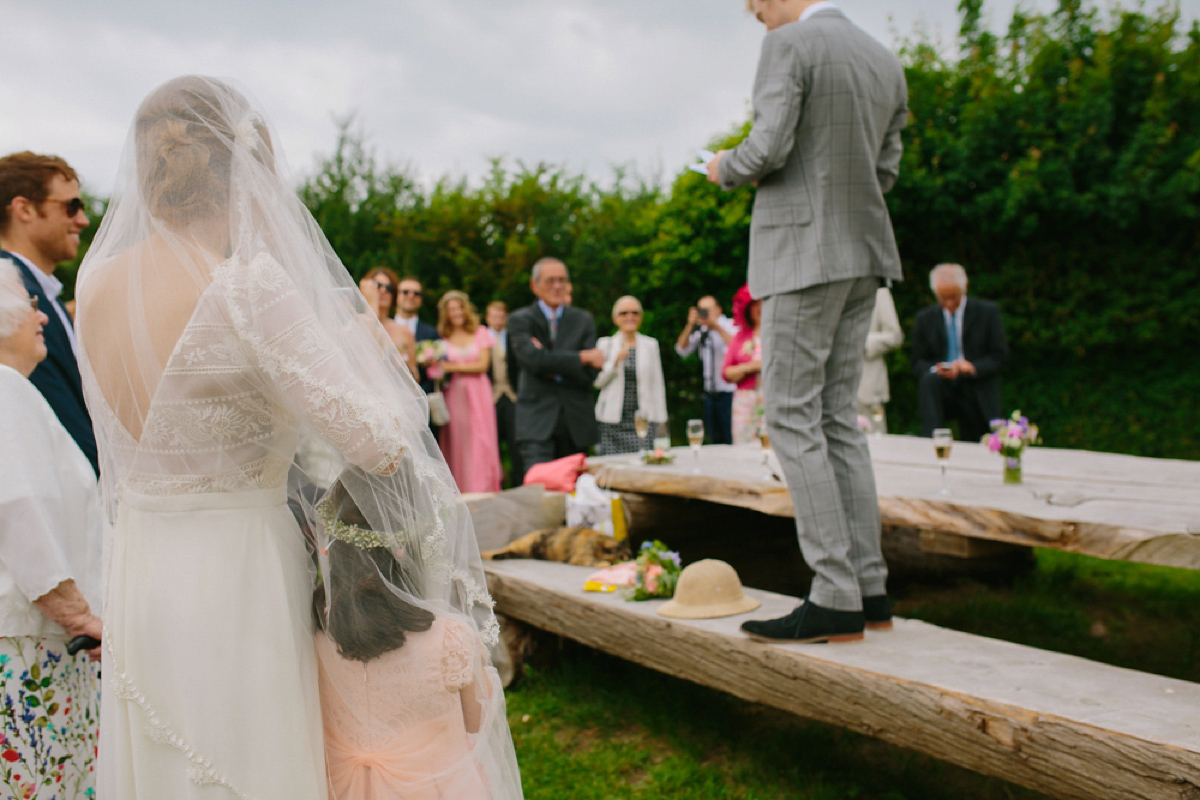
<point x="225" y="349"/>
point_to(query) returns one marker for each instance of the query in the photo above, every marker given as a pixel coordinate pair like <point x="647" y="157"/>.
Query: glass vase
<point x="1012" y="470"/>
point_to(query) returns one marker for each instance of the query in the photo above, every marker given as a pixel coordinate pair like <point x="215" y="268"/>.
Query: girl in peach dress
<point x="405" y="693"/>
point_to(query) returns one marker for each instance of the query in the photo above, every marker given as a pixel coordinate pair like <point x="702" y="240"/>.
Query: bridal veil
<point x="220" y="337"/>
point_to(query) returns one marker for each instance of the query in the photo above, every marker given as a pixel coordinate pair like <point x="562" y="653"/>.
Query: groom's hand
<point x="714" y="175"/>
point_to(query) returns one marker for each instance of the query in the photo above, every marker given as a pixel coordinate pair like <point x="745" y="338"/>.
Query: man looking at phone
<point x="958" y="351"/>
<point x="709" y="332"/>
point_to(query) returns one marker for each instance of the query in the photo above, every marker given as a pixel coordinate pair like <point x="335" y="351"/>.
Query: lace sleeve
<point x="303" y="364"/>
<point x="458" y="668"/>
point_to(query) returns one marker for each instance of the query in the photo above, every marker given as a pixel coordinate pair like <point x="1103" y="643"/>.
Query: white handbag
<point x="439" y="413"/>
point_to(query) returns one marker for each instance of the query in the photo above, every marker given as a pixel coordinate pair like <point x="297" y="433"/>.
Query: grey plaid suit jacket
<point x="829" y="105"/>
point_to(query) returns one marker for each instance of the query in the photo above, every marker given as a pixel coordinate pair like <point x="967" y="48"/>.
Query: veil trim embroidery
<point x="200" y="769"/>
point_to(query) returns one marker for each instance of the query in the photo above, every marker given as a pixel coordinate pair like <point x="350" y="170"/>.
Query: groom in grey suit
<point x="829" y="105"/>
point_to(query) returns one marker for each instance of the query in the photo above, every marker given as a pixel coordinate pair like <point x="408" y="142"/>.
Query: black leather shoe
<point x="877" y="611"/>
<point x="808" y="623"/>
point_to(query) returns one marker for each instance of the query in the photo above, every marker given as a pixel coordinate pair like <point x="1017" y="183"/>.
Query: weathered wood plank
<point x="1059" y="724"/>
<point x="1100" y="504"/>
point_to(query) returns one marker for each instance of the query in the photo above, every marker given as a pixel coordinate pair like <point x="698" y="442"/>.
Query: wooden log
<point x="765" y="551"/>
<point x="1100" y="504"/>
<point x="1059" y="724"/>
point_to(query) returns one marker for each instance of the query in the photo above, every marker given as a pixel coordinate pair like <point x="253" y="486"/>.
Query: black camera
<point x="702" y="313"/>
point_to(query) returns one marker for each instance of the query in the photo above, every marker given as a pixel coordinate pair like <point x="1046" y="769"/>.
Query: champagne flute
<point x="877" y="420"/>
<point x="943" y="438"/>
<point x="695" y="436"/>
<point x="765" y="440"/>
<point x="641" y="426"/>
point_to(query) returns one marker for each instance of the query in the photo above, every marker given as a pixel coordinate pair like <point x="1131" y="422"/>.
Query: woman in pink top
<point x="469" y="441"/>
<point x="743" y="363"/>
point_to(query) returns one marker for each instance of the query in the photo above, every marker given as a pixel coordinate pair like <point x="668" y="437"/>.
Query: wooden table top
<point x="1102" y="504"/>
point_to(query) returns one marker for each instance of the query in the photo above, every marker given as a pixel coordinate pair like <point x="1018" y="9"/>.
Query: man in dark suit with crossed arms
<point x="41" y="217"/>
<point x="958" y="350"/>
<point x="829" y="105"/>
<point x="555" y="348"/>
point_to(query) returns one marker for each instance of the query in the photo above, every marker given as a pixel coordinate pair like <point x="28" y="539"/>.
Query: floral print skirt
<point x="50" y="720"/>
<point x="747" y="415"/>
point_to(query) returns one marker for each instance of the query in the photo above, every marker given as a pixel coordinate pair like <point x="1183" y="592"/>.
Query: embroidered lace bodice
<point x="250" y="363"/>
<point x="379" y="704"/>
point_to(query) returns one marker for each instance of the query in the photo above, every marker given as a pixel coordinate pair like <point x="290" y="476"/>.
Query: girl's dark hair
<point x="365" y="617"/>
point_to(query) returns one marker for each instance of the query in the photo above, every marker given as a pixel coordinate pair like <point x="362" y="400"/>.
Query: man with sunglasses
<point x="41" y="218"/>
<point x="408" y="303"/>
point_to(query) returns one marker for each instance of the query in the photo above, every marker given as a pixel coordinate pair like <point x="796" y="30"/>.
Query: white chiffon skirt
<point x="209" y="672"/>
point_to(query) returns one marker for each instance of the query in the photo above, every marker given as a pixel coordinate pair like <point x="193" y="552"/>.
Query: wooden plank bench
<point x="1100" y="504"/>
<point x="1059" y="724"/>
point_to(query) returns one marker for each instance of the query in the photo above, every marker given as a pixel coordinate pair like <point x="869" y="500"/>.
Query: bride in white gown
<point x="217" y="327"/>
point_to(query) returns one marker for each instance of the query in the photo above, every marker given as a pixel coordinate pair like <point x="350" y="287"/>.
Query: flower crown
<point x="352" y="534"/>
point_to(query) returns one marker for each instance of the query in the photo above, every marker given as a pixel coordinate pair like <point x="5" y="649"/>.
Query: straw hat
<point x="706" y="589"/>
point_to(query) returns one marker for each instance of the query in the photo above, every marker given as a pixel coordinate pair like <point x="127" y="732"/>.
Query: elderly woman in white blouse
<point x="631" y="381"/>
<point x="51" y="538"/>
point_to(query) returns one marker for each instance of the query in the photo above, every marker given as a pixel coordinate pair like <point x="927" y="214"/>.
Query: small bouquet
<point x="657" y="572"/>
<point x="430" y="354"/>
<point x="430" y="351"/>
<point x="658" y="456"/>
<point x="1010" y="437"/>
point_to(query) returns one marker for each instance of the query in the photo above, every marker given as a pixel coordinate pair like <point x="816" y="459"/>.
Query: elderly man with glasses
<point x="554" y="344"/>
<point x="41" y="218"/>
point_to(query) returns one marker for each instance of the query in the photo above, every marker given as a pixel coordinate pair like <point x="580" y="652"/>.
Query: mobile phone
<point x="943" y="365"/>
<point x="82" y="643"/>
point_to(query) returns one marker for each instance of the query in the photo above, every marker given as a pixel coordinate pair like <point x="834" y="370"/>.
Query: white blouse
<point x="651" y="388"/>
<point x="51" y="528"/>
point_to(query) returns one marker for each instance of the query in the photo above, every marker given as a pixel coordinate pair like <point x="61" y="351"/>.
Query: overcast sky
<point x="439" y="86"/>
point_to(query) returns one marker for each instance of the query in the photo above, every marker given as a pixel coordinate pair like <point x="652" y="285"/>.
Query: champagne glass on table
<point x="765" y="440"/>
<point x="943" y="439"/>
<point x="695" y="436"/>
<point x="641" y="427"/>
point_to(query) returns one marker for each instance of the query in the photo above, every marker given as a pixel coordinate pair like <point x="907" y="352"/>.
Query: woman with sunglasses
<point x="379" y="289"/>
<point x="631" y="381"/>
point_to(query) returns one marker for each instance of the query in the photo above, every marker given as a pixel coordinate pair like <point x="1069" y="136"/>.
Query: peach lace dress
<point x="401" y="725"/>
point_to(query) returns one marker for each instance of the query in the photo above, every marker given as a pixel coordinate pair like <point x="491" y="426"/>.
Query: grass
<point x="588" y="725"/>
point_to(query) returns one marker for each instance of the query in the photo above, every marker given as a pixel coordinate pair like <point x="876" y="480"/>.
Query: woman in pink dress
<point x="743" y="363"/>
<point x="469" y="441"/>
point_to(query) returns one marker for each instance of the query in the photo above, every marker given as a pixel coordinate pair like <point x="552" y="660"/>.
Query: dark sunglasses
<point x="386" y="287"/>
<point x="629" y="313"/>
<point x="416" y="292"/>
<point x="33" y="303"/>
<point x="72" y="206"/>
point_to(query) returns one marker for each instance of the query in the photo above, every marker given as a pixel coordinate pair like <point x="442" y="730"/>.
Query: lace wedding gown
<point x="209" y="586"/>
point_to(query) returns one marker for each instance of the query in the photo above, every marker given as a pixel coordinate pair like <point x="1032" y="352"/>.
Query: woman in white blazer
<point x="632" y="379"/>
<point x="885" y="336"/>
